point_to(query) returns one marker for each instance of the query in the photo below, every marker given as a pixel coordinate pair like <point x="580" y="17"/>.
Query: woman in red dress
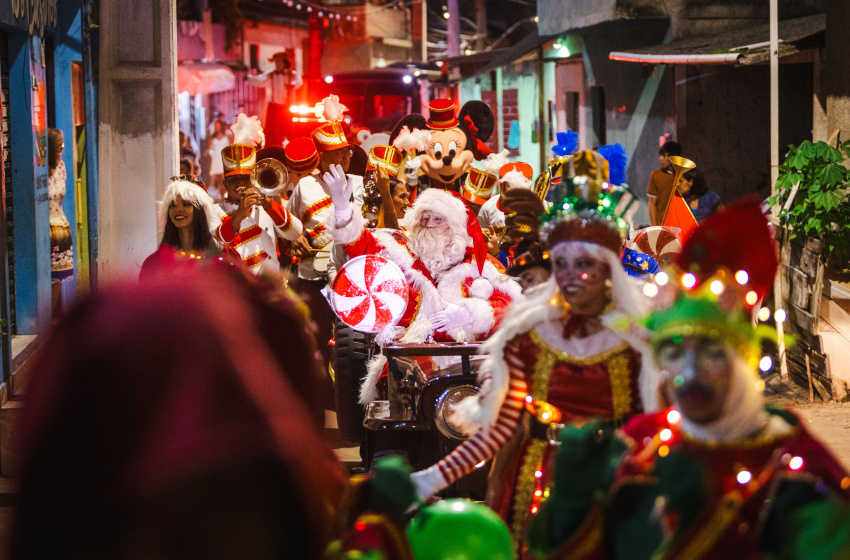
<point x="553" y="360"/>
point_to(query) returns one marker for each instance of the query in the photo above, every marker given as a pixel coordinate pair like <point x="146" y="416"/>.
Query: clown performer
<point x="552" y="360"/>
<point x="283" y="81"/>
<point x="718" y="474"/>
<point x="252" y="222"/>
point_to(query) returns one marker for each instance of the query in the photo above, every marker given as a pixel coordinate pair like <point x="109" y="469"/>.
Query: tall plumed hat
<point x="586" y="207"/>
<point x="384" y="156"/>
<point x="478" y="186"/>
<point x="724" y="270"/>
<point x="301" y="155"/>
<point x="329" y="136"/>
<point x="238" y="159"/>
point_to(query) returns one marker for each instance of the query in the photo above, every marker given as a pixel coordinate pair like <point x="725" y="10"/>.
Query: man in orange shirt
<point x="661" y="186"/>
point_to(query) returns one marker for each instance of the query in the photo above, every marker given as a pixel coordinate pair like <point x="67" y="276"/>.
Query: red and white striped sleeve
<point x="481" y="446"/>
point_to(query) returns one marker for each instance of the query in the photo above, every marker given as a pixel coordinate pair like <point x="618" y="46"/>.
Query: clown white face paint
<point x="583" y="278"/>
<point x="697" y="375"/>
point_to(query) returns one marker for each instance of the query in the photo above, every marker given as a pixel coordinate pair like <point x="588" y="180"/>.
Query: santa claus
<point x="457" y="291"/>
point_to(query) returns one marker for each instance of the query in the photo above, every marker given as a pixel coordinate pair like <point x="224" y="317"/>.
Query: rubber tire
<point x="349" y="362"/>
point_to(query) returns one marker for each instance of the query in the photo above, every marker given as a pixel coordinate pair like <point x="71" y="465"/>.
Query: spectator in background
<point x="701" y="201"/>
<point x="661" y="183"/>
<point x="187" y="168"/>
<point x="168" y="421"/>
<point x="61" y="246"/>
<point x="220" y="138"/>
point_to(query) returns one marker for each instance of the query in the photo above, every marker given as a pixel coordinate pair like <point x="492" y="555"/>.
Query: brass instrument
<point x="371" y="200"/>
<point x="269" y="177"/>
<point x="680" y="166"/>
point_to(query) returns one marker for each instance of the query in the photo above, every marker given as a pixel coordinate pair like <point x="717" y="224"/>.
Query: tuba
<point x="269" y="177"/>
<point x="680" y="166"/>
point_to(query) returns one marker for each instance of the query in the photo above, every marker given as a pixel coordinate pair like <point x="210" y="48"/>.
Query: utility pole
<point x="453" y="39"/>
<point x="774" y="168"/>
<point x="481" y="24"/>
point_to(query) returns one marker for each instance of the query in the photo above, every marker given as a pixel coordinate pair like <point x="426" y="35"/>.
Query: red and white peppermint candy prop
<point x="660" y="242"/>
<point x="369" y="293"/>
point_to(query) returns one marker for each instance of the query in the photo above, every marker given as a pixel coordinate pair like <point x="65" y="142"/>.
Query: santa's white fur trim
<point x="350" y="232"/>
<point x="368" y="389"/>
<point x="481" y="288"/>
<point x="440" y="202"/>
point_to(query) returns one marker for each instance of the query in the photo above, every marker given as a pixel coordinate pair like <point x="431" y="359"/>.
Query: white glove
<point x="428" y="482"/>
<point x="341" y="188"/>
<point x="411" y="171"/>
<point x="452" y="316"/>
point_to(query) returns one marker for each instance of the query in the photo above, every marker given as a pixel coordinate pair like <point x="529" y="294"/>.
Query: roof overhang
<point x="513" y="53"/>
<point x="741" y="46"/>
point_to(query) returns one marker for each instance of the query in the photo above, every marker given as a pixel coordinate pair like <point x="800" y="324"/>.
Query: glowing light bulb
<point x="481" y="464"/>
<point x="538" y="474"/>
<point x="666" y="434"/>
<point x="744" y="477"/>
<point x="780" y="315"/>
<point x="741" y="277"/>
<point x="650" y="290"/>
<point x="689" y="280"/>
<point x="765" y="363"/>
<point x="717" y="287"/>
<point x="796" y="463"/>
<point x="751" y="298"/>
<point x="674" y="416"/>
<point x="446" y="15"/>
<point x="329" y="79"/>
<point x="529" y="399"/>
<point x="764" y="314"/>
<point x="661" y="278"/>
<point x="663" y="451"/>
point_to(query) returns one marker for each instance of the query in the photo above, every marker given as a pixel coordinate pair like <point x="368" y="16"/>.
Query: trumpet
<point x="269" y="177"/>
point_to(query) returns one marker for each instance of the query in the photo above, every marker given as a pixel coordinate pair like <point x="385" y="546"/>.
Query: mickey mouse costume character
<point x="455" y="140"/>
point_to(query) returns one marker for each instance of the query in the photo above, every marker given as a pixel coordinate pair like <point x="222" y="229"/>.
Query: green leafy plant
<point x="821" y="208"/>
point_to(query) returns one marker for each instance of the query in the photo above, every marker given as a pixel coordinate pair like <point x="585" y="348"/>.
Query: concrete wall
<point x="138" y="133"/>
<point x="725" y="125"/>
<point x="836" y="72"/>
<point x="639" y="105"/>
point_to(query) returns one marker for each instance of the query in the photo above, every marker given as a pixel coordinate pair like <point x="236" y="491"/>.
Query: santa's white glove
<point x="450" y="317"/>
<point x="411" y="171"/>
<point x="341" y="188"/>
<point x="428" y="482"/>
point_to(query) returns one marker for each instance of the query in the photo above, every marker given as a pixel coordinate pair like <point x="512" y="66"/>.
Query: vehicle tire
<point x="351" y="350"/>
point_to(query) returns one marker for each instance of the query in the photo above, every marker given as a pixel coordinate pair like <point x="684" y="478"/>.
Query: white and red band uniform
<point x="311" y="203"/>
<point x="256" y="242"/>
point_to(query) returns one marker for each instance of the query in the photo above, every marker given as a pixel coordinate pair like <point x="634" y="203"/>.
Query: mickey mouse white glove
<point x="341" y="188"/>
<point x="411" y="171"/>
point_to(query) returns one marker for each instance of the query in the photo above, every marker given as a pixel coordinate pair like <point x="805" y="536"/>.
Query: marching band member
<point x="252" y="222"/>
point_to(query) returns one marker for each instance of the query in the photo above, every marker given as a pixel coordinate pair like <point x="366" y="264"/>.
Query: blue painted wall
<point x="68" y="48"/>
<point x="31" y="206"/>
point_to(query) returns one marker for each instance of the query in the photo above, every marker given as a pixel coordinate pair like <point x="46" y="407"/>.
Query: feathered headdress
<point x="617" y="162"/>
<point x="248" y="130"/>
<point x="330" y="108"/>
<point x="567" y="143"/>
<point x="416" y="139"/>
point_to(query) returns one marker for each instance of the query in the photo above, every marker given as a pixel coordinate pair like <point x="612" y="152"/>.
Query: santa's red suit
<point x="484" y="293"/>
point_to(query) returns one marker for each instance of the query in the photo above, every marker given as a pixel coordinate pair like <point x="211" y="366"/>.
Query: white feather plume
<point x="248" y="130"/>
<point x="515" y="179"/>
<point x="330" y="108"/>
<point x="412" y="140"/>
<point x="495" y="161"/>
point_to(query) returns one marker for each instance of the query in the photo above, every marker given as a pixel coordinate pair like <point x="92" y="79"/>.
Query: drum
<point x="369" y="293"/>
<point x="660" y="242"/>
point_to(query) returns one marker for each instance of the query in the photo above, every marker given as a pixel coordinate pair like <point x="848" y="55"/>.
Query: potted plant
<point x="812" y="192"/>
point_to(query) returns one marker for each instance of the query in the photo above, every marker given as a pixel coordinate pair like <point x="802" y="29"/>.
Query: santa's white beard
<point x="438" y="250"/>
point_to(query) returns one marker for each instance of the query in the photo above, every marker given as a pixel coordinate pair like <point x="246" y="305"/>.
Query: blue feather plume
<point x="567" y="143"/>
<point x="617" y="162"/>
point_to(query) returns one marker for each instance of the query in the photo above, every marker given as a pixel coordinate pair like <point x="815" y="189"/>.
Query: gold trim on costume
<point x="524" y="490"/>
<point x="707" y="536"/>
<point x="621" y="390"/>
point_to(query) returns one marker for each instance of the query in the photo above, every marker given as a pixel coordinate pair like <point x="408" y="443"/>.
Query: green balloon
<point x="459" y="530"/>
